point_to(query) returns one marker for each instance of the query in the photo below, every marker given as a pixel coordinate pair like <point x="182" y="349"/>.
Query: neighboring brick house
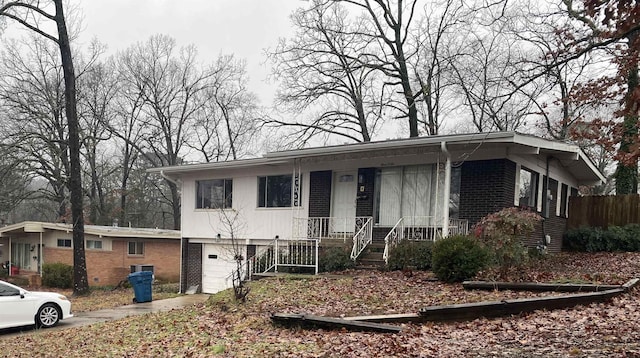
<point x="110" y="251"/>
<point x="430" y="187"/>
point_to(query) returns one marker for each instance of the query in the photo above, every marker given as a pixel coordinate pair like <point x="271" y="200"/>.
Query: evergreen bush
<point x="595" y="239"/>
<point x="335" y="259"/>
<point x="457" y="258"/>
<point x="57" y="275"/>
<point x="416" y="254"/>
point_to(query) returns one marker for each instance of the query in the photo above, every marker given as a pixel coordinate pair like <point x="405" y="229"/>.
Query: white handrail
<point x="362" y="238"/>
<point x="393" y="237"/>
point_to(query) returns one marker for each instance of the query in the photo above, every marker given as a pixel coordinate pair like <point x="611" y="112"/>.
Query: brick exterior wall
<point x="486" y="186"/>
<point x="364" y="205"/>
<point x="191" y="265"/>
<point x="320" y="194"/>
<point x="108" y="268"/>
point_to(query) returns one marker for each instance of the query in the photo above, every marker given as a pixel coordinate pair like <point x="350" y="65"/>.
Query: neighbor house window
<point x="136" y="248"/>
<point x="528" y="188"/>
<point x="214" y="194"/>
<point x="64" y="242"/>
<point x="94" y="244"/>
<point x="279" y="191"/>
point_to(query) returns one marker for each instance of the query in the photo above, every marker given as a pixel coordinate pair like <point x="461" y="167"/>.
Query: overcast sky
<point x="240" y="27"/>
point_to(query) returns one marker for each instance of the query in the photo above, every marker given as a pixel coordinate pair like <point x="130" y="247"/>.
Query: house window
<point x="94" y="244"/>
<point x="136" y="248"/>
<point x="528" y="188"/>
<point x="64" y="242"/>
<point x="564" y="200"/>
<point x="414" y="192"/>
<point x="454" y="192"/>
<point x="214" y="194"/>
<point x="279" y="191"/>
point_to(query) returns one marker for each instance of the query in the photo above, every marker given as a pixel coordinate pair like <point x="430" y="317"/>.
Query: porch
<point x="370" y="244"/>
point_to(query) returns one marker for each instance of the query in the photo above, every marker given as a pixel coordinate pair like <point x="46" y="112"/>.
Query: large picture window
<point x="279" y="191"/>
<point x="528" y="188"/>
<point x="214" y="194"/>
<point x="414" y="192"/>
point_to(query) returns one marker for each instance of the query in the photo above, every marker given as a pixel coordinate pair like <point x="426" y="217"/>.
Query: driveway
<point x="86" y="318"/>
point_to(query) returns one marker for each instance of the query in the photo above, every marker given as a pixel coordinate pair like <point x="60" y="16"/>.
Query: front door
<point x="343" y="201"/>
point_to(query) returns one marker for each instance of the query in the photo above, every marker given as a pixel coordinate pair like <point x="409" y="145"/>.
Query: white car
<point x="19" y="307"/>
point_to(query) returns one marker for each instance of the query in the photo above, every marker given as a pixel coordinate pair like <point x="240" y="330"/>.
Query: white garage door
<point x="217" y="266"/>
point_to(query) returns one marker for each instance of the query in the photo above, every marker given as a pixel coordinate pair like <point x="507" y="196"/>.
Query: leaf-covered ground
<point x="223" y="328"/>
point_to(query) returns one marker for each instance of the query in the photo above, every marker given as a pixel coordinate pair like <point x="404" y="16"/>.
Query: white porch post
<point x="40" y="257"/>
<point x="10" y="257"/>
<point x="447" y="189"/>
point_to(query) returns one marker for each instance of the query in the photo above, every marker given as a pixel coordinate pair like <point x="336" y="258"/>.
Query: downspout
<point x="545" y="212"/>
<point x="168" y="178"/>
<point x="447" y="189"/>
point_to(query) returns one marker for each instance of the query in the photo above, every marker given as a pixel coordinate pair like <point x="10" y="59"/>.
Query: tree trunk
<point x="627" y="173"/>
<point x="80" y="282"/>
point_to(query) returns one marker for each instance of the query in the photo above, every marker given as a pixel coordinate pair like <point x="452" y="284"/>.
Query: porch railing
<point x="362" y="238"/>
<point x="419" y="229"/>
<point x="328" y="227"/>
<point x="285" y="253"/>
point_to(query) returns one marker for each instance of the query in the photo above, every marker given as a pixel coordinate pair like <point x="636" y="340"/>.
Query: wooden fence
<point x="603" y="211"/>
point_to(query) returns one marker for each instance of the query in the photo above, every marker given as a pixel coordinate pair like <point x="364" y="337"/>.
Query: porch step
<point x="371" y="259"/>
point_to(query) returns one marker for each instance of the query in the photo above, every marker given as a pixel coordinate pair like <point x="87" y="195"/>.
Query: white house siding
<point x="253" y="223"/>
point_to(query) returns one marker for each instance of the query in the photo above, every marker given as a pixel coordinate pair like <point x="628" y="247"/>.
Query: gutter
<point x="167" y="178"/>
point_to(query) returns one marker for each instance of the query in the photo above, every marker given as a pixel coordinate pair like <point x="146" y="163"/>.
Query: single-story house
<point x="420" y="188"/>
<point x="112" y="252"/>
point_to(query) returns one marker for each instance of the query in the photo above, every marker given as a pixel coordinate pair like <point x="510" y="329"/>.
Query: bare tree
<point x="172" y="90"/>
<point x="28" y="13"/>
<point x="319" y="71"/>
<point x="227" y="124"/>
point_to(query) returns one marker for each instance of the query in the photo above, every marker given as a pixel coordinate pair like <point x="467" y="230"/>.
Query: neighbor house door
<point x="343" y="202"/>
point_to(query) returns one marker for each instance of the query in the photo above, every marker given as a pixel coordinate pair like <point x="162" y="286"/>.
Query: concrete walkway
<point x="86" y="318"/>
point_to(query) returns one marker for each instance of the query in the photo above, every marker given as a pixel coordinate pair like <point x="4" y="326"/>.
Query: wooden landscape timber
<point x="535" y="286"/>
<point x="463" y="311"/>
<point x="333" y="323"/>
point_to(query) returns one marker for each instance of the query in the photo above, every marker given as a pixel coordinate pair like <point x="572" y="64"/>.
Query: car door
<point x="14" y="309"/>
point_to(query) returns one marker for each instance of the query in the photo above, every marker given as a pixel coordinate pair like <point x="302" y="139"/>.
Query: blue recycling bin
<point x="141" y="283"/>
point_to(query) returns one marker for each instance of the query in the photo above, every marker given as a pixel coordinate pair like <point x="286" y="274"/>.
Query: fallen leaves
<point x="223" y="328"/>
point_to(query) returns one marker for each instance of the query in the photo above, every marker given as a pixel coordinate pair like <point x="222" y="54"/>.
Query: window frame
<point x="225" y="184"/>
<point x="138" y="245"/>
<point x="534" y="181"/>
<point x="87" y="245"/>
<point x="283" y="199"/>
<point x="64" y="241"/>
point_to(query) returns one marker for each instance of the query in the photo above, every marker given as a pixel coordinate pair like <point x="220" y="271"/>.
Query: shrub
<point x="457" y="258"/>
<point x="335" y="259"/>
<point x="596" y="239"/>
<point x="57" y="275"/>
<point x="407" y="253"/>
<point x="503" y="233"/>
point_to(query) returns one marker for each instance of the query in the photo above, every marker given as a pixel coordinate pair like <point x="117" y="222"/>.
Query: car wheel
<point x="48" y="316"/>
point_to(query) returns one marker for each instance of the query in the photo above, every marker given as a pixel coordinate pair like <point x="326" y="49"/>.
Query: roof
<point x="570" y="155"/>
<point x="97" y="230"/>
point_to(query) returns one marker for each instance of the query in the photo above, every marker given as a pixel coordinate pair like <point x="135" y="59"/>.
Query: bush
<point x="335" y="259"/>
<point x="407" y="253"/>
<point x="503" y="233"/>
<point x="57" y="275"/>
<point x="457" y="258"/>
<point x="596" y="239"/>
